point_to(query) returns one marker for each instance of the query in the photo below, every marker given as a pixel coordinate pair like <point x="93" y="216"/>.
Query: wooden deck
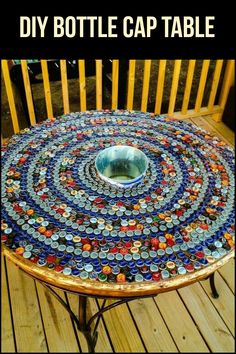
<point x="186" y="320"/>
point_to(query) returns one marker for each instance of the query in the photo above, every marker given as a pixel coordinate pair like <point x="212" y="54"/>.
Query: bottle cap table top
<point x="65" y="225"/>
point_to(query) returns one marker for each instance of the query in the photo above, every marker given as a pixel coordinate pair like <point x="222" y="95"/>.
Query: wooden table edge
<point x="113" y="290"/>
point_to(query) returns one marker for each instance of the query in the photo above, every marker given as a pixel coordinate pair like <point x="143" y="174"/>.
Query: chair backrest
<point x="200" y="87"/>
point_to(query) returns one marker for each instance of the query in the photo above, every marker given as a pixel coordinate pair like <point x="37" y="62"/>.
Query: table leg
<point x="213" y="288"/>
<point x="212" y="285"/>
<point x="80" y="320"/>
<point x="84" y="324"/>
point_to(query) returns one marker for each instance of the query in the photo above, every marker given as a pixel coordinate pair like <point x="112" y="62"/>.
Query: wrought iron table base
<point x="84" y="324"/>
<point x="214" y="293"/>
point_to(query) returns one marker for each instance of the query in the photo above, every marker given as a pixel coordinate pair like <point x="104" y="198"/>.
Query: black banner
<point x="151" y="32"/>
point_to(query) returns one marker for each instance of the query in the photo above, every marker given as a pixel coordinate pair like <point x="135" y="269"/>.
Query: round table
<point x="68" y="228"/>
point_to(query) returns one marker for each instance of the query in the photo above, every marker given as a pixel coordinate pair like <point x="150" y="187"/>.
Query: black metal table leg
<point x="213" y="288"/>
<point x="214" y="292"/>
<point x="84" y="326"/>
<point x="81" y="320"/>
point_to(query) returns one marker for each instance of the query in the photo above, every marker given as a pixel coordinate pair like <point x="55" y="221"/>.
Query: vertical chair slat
<point x="28" y="92"/>
<point x="131" y="79"/>
<point x="64" y="83"/>
<point x="115" y="83"/>
<point x="99" y="84"/>
<point x="47" y="90"/>
<point x="10" y="96"/>
<point x="174" y="86"/>
<point x="227" y="83"/>
<point x="202" y="84"/>
<point x="146" y="80"/>
<point x="215" y="82"/>
<point x="82" y="85"/>
<point x="188" y="85"/>
<point x="160" y="86"/>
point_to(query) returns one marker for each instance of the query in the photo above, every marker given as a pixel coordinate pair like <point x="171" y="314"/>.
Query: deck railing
<point x="221" y="81"/>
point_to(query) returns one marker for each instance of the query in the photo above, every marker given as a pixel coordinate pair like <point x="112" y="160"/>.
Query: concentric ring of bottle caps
<point x="58" y="213"/>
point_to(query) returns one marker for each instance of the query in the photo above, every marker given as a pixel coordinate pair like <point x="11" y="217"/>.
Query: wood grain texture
<point x="57" y="322"/>
<point x="151" y="326"/>
<point x="228" y="274"/>
<point x="27" y="320"/>
<point x="216" y="129"/>
<point x="122" y="330"/>
<point x="7" y="339"/>
<point x="224" y="304"/>
<point x="207" y="319"/>
<point x="180" y="323"/>
<point x="222" y="130"/>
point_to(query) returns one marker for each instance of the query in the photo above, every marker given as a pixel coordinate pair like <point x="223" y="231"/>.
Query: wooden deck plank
<point x="73" y="302"/>
<point x="189" y="120"/>
<point x="225" y="303"/>
<point x="180" y="323"/>
<point x="122" y="330"/>
<point x="7" y="335"/>
<point x="153" y="330"/>
<point x="206" y="124"/>
<point x="207" y="319"/>
<point x="228" y="274"/>
<point x="57" y="322"/>
<point x="222" y="129"/>
<point x="219" y="129"/>
<point x="27" y="320"/>
<point x="103" y="344"/>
